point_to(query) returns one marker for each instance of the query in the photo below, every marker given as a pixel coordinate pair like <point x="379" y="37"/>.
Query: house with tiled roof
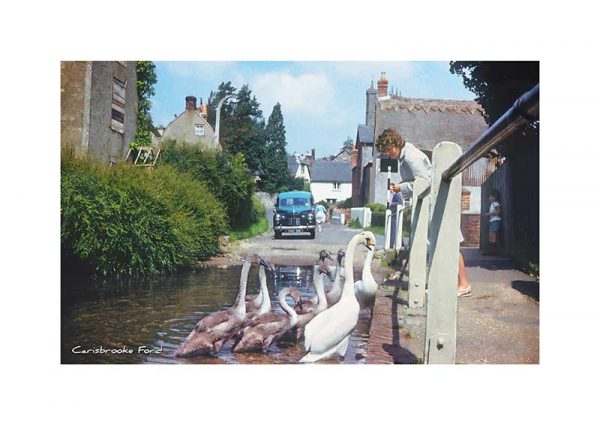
<point x="424" y="123"/>
<point x="192" y="127"/>
<point x="331" y="181"/>
<point x="298" y="167"/>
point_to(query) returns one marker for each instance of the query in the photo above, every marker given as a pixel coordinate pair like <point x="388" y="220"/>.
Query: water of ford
<point x="144" y="322"/>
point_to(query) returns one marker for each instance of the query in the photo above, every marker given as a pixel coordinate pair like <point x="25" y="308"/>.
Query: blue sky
<point x="322" y="102"/>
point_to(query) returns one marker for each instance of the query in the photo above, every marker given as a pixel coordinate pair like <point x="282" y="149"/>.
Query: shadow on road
<point x="529" y="288"/>
<point x="293" y="237"/>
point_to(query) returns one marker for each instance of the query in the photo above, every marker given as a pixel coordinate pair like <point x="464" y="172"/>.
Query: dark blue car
<point x="294" y="212"/>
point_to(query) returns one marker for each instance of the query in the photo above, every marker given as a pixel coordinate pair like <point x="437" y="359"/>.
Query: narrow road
<point x="299" y="249"/>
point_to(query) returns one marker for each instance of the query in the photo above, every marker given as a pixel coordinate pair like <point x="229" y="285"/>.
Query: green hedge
<point x="126" y="221"/>
<point x="376" y="207"/>
<point x="229" y="179"/>
<point x="378" y="219"/>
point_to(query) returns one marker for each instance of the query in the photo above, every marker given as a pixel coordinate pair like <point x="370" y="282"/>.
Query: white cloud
<point x="200" y="70"/>
<point x="367" y="70"/>
<point x="308" y="94"/>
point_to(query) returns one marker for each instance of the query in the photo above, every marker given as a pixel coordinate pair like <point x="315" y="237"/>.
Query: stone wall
<point x="86" y="103"/>
<point x="106" y="144"/>
<point x="72" y="76"/>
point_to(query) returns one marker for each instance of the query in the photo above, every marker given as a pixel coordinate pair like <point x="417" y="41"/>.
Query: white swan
<point x="366" y="288"/>
<point x="333" y="296"/>
<point x="328" y="333"/>
<point x="323" y="255"/>
<point x="308" y="314"/>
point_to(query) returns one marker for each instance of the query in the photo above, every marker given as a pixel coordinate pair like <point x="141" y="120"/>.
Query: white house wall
<point x="322" y="191"/>
<point x="474" y="201"/>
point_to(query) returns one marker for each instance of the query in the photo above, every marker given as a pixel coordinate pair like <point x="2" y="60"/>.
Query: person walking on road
<point x="321" y="216"/>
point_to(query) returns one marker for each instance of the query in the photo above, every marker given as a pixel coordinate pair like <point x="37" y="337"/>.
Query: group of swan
<point x="326" y="321"/>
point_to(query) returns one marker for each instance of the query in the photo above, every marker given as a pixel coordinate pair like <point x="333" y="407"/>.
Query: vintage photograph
<point x="330" y="212"/>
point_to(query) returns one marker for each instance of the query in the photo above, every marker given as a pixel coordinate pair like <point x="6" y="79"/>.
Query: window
<point x="330" y="200"/>
<point x="117" y="113"/>
<point x="199" y="129"/>
<point x="385" y="163"/>
<point x="337" y="186"/>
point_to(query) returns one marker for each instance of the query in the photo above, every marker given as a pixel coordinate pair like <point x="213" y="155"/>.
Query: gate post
<point x="388" y="229"/>
<point x="444" y="231"/>
<point x="399" y="223"/>
<point x="417" y="259"/>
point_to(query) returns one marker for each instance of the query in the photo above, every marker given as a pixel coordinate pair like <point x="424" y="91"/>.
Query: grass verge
<point x="252" y="230"/>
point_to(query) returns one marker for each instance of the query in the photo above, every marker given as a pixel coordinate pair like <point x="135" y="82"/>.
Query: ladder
<point x="146" y="156"/>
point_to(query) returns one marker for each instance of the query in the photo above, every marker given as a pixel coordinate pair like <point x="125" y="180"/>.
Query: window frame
<point x="117" y="105"/>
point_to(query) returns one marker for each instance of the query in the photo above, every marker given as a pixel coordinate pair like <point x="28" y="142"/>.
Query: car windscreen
<point x="294" y="203"/>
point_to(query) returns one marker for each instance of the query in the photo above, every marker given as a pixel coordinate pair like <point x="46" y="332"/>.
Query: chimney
<point x="202" y="109"/>
<point x="312" y="152"/>
<point x="354" y="156"/>
<point x="190" y="103"/>
<point x="382" y="86"/>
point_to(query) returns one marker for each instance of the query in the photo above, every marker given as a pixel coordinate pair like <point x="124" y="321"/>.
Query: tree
<point x="213" y="100"/>
<point x="348" y="143"/>
<point x="146" y="79"/>
<point x="497" y="85"/>
<point x="274" y="163"/>
<point x="242" y="127"/>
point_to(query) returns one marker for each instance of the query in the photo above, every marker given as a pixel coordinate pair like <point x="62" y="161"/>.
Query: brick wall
<point x="465" y="200"/>
<point x="470" y="227"/>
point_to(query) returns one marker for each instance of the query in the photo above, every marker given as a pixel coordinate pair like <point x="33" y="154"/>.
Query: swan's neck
<point x="240" y="303"/>
<point x="284" y="305"/>
<point x="320" y="288"/>
<point x="337" y="282"/>
<point x="349" y="267"/>
<point x="265" y="305"/>
<point x="366" y="272"/>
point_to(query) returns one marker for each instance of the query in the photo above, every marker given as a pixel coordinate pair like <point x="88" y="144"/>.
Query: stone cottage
<point x="191" y="126"/>
<point x="98" y="108"/>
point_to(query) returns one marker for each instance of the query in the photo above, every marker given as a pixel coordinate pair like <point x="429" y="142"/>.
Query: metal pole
<point x="218" y="118"/>
<point x="525" y="109"/>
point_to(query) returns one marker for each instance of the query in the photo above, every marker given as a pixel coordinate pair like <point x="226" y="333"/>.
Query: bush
<point x="229" y="179"/>
<point x="378" y="219"/>
<point x="355" y="224"/>
<point x="126" y="221"/>
<point x="258" y="226"/>
<point x="346" y="203"/>
<point x="376" y="207"/>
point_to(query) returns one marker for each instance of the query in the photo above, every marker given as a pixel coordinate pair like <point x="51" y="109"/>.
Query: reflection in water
<point x="162" y="313"/>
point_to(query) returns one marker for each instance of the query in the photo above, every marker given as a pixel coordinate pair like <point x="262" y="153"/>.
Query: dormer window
<point x="337" y="186"/>
<point x="199" y="129"/>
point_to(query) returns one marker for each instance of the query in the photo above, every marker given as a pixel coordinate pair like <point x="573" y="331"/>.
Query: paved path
<point x="499" y="324"/>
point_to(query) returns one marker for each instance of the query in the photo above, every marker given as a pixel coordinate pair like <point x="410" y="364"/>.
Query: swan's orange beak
<point x="370" y="244"/>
